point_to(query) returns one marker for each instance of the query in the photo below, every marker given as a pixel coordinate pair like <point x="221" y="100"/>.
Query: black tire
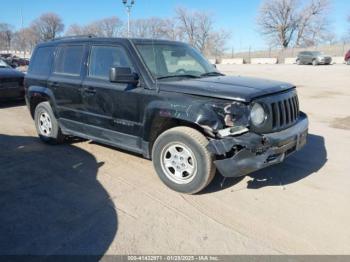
<point x="314" y="62"/>
<point x="196" y="142"/>
<point x="298" y="62"/>
<point x="55" y="135"/>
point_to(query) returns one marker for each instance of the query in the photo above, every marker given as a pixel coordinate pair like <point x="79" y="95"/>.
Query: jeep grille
<point x="282" y="112"/>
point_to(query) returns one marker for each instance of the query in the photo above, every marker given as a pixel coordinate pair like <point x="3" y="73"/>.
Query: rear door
<point x="65" y="82"/>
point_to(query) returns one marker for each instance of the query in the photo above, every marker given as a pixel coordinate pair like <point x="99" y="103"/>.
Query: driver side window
<point x="184" y="63"/>
<point x="103" y="58"/>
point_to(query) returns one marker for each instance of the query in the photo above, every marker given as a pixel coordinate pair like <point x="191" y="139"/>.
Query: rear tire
<point x="47" y="125"/>
<point x="182" y="161"/>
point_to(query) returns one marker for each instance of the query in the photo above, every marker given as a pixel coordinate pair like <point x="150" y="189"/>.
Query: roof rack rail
<point x="73" y="37"/>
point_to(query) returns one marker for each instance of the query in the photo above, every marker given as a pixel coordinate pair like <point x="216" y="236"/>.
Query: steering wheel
<point x="180" y="71"/>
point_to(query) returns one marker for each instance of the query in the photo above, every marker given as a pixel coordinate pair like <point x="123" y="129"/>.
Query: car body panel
<point x="227" y="87"/>
<point x="11" y="84"/>
<point x="347" y="56"/>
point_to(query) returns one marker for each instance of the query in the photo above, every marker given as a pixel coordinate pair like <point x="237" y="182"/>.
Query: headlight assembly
<point x="257" y="114"/>
<point x="233" y="113"/>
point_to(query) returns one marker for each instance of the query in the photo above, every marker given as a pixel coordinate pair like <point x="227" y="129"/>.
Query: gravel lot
<point x="85" y="198"/>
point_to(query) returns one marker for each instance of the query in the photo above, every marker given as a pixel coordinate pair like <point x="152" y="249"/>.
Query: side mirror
<point x="123" y="75"/>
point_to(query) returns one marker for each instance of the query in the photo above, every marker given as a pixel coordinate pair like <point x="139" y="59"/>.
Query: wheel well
<point x="162" y="124"/>
<point x="34" y="102"/>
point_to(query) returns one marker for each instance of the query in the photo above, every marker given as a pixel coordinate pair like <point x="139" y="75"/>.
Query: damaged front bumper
<point x="239" y="156"/>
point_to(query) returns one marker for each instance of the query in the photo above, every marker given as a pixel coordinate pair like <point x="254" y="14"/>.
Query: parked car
<point x="11" y="82"/>
<point x="164" y="100"/>
<point x="313" y="58"/>
<point x="5" y="56"/>
<point x="16" y="61"/>
<point x="347" y="58"/>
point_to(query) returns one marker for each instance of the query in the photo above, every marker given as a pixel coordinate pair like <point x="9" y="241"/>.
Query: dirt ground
<point x="85" y="198"/>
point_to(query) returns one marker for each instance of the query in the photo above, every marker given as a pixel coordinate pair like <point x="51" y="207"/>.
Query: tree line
<point x="284" y="23"/>
<point x="195" y="27"/>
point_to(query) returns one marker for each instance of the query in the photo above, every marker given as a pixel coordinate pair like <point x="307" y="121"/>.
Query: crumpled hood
<point x="226" y="87"/>
<point x="10" y="73"/>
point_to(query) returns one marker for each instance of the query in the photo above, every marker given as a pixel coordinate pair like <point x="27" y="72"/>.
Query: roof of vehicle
<point x="79" y="39"/>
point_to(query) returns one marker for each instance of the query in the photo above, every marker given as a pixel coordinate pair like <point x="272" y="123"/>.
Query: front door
<point x="112" y="110"/>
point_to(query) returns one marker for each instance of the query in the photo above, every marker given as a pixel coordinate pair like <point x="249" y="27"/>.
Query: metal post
<point x="128" y="5"/>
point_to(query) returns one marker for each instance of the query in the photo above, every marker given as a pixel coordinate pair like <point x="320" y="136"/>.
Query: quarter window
<point x="42" y="61"/>
<point x="103" y="58"/>
<point x="69" y="60"/>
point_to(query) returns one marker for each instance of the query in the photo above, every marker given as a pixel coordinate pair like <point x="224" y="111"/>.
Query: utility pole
<point x="128" y="6"/>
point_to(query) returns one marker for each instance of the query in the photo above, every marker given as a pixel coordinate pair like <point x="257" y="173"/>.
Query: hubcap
<point x="178" y="163"/>
<point x="45" y="124"/>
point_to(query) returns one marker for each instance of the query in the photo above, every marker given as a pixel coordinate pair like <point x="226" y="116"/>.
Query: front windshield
<point x="174" y="60"/>
<point x="3" y="64"/>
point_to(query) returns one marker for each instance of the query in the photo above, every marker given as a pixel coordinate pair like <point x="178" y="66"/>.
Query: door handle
<point x="89" y="90"/>
<point x="55" y="84"/>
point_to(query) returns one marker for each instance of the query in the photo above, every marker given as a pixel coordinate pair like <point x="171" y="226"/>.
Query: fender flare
<point x="39" y="92"/>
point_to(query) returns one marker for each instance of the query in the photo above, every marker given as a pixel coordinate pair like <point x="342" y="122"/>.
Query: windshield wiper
<point x="173" y="76"/>
<point x="212" y="74"/>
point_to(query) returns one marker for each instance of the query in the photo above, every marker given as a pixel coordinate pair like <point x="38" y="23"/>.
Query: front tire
<point x="314" y="62"/>
<point x="47" y="125"/>
<point x="182" y="161"/>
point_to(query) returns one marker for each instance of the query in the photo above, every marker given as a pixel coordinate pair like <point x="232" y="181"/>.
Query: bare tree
<point x="74" y="30"/>
<point x="197" y="28"/>
<point x="194" y="27"/>
<point x="6" y="35"/>
<point x="312" y="21"/>
<point x="47" y="26"/>
<point x="107" y="27"/>
<point x="287" y="22"/>
<point x="277" y="20"/>
<point x="187" y="25"/>
<point x="110" y="27"/>
<point x="154" y="27"/>
<point x="216" y="45"/>
<point x="25" y="40"/>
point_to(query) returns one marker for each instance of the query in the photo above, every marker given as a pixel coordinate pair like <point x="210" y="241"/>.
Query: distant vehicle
<point x="5" y="56"/>
<point x="16" y="61"/>
<point x="347" y="58"/>
<point x="11" y="82"/>
<point x="313" y="58"/>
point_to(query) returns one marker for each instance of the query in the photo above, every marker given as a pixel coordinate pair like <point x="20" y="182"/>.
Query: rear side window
<point x="102" y="58"/>
<point x="69" y="60"/>
<point x="40" y="64"/>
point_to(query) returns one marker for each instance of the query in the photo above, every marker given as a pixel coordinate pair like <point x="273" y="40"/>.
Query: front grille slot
<point x="284" y="112"/>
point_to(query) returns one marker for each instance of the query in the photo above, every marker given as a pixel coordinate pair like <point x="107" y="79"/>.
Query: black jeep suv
<point x="164" y="100"/>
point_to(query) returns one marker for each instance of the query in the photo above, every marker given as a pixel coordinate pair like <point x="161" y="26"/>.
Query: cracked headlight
<point x="257" y="114"/>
